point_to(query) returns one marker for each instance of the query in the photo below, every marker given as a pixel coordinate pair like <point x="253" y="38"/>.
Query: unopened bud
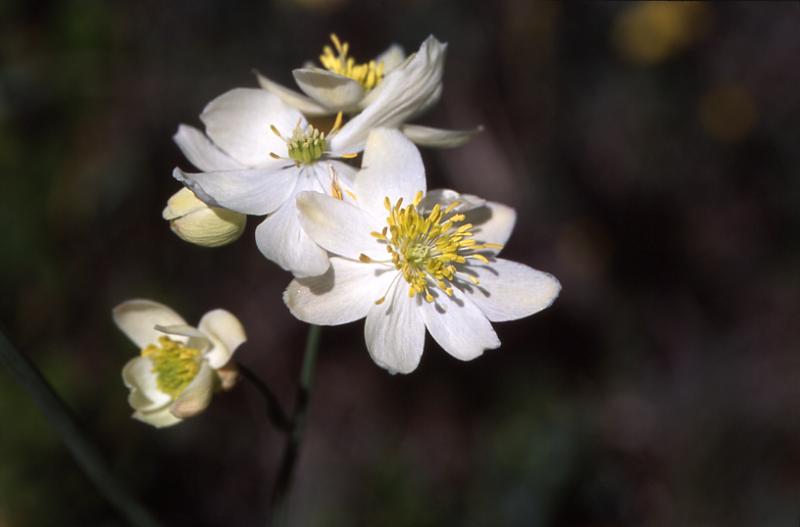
<point x="195" y="222"/>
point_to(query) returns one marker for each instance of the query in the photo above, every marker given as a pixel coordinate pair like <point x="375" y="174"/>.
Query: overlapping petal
<point x="201" y="152"/>
<point x="225" y="332"/>
<point x="253" y="191"/>
<point x="138" y="319"/>
<point x="392" y="167"/>
<point x="338" y="226"/>
<point x="510" y="290"/>
<point x="305" y="104"/>
<point x="197" y="395"/>
<point x="331" y="89"/>
<point x="345" y="293"/>
<point x="402" y="94"/>
<point x="159" y="419"/>
<point x="459" y="326"/>
<point x="238" y="121"/>
<point x="144" y="393"/>
<point x="282" y="239"/>
<point x="395" y="332"/>
<point x="437" y="137"/>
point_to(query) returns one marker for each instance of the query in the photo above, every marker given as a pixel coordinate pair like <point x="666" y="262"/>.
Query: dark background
<point x="652" y="153"/>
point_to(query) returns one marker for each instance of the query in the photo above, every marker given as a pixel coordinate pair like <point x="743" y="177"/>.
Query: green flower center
<point x="174" y="364"/>
<point x="306" y="145"/>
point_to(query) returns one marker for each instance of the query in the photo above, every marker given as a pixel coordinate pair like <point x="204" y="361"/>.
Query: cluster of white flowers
<point x="361" y="243"/>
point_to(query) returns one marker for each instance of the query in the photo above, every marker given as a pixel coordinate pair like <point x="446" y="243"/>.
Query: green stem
<point x="275" y="412"/>
<point x="291" y="452"/>
<point x="66" y="425"/>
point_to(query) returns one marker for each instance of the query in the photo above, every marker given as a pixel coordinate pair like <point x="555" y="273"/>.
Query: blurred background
<point x="651" y="151"/>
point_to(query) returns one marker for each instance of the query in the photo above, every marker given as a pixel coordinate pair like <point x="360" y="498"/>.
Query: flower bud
<point x="195" y="222"/>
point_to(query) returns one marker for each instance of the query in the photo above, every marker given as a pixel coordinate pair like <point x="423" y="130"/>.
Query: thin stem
<point x="275" y="412"/>
<point x="292" y="450"/>
<point x="65" y="424"/>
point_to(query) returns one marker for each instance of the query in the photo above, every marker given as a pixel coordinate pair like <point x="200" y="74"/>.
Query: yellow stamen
<point x="426" y="249"/>
<point x="367" y="75"/>
<point x="175" y="364"/>
<point x="337" y="123"/>
<point x="336" y="190"/>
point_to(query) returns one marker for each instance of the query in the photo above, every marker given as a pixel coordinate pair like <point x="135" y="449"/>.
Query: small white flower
<point x="408" y="261"/>
<point x="179" y="366"/>
<point x="195" y="222"/>
<point x="388" y="91"/>
<point x="258" y="155"/>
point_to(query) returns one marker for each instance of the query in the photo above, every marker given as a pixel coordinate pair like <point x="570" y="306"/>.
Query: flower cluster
<point x="363" y="240"/>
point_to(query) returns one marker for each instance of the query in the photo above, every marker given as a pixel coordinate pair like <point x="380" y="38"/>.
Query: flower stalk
<point x="66" y="426"/>
<point x="296" y="430"/>
<point x="277" y="416"/>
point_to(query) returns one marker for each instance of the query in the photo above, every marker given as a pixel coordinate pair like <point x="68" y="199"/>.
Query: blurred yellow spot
<point x="649" y="32"/>
<point x="727" y="113"/>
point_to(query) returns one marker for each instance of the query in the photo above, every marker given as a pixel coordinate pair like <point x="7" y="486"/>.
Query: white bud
<point x="195" y="222"/>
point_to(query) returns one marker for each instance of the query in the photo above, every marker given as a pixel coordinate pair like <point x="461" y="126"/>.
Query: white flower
<point x="388" y="91"/>
<point x="179" y="366"/>
<point x="408" y="261"/>
<point x="195" y="222"/>
<point x="258" y="155"/>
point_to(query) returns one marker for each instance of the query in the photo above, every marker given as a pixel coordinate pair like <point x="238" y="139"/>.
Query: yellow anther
<point x="275" y="131"/>
<point x="174" y="364"/>
<point x="427" y="248"/>
<point x="367" y="75"/>
<point x="452" y="206"/>
<point x="349" y="156"/>
<point x="337" y="123"/>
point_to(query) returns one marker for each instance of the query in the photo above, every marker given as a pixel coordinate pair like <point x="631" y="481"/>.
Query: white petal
<point x="345" y="293"/>
<point x="196" y="396"/>
<point x="392" y="167"/>
<point x="333" y="91"/>
<point x="256" y="191"/>
<point x="391" y="58"/>
<point x="328" y="170"/>
<point x="458" y="326"/>
<point x="510" y="290"/>
<point x="138" y="319"/>
<point x="239" y="122"/>
<point x="282" y="240"/>
<point x="493" y="223"/>
<point x="445" y="197"/>
<point x="306" y="105"/>
<point x="395" y="331"/>
<point x="144" y="394"/>
<point x="160" y="419"/>
<point x="438" y="138"/>
<point x="201" y="152"/>
<point x="432" y="99"/>
<point x="188" y="335"/>
<point x="339" y="227"/>
<point x="403" y="93"/>
<point x="225" y="331"/>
